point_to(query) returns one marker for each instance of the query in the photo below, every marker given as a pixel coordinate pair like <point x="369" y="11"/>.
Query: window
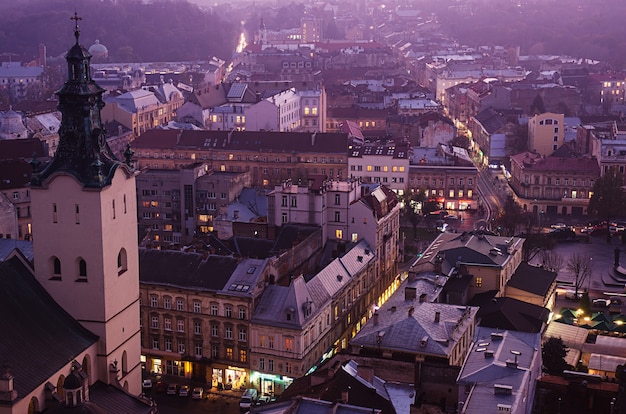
<point x="122" y="265"/>
<point x="167" y="303"/>
<point x="197" y="328"/>
<point x="214" y="309"/>
<point x="215" y="351"/>
<point x="180" y="305"/>
<point x="337" y="216"/>
<point x="242" y="313"/>
<point x="270" y="365"/>
<point x="288" y="368"/>
<point x="289" y="344"/>
<point x="214" y="330"/>
<point x="479" y="281"/>
<point x="181" y="347"/>
<point x="77" y="213"/>
<point x="228" y="332"/>
<point x="155" y="343"/>
<point x="262" y="341"/>
<point x="198" y="349"/>
<point x="261" y="364"/>
<point x="243" y="355"/>
<point x="181" y="325"/>
<point x="229" y="353"/>
<point x="167" y="324"/>
<point x="113" y="208"/>
<point x="197" y="307"/>
<point x="154" y="301"/>
<point x="283" y="201"/>
<point x="243" y="334"/>
<point x="228" y="311"/>
<point x="284" y="218"/>
<point x="270" y="342"/>
<point x="82" y="268"/>
<point x="168" y="344"/>
<point x="294" y="201"/>
<point x="155" y="322"/>
<point x="339" y="234"/>
<point x="337" y="199"/>
<point x="54" y="213"/>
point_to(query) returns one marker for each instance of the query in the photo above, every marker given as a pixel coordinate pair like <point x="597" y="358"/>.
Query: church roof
<point x="38" y="336"/>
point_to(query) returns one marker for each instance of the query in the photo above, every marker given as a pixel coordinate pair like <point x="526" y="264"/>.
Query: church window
<point x="54" y="213"/>
<point x="56" y="267"/>
<point x="122" y="265"/>
<point x="77" y="207"/>
<point x="113" y="206"/>
<point x="82" y="268"/>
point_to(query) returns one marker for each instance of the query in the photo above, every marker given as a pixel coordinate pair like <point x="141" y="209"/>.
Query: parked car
<point x="601" y="302"/>
<point x="571" y="294"/>
<point x="172" y="389"/>
<point x="197" y="393"/>
<point x="264" y="399"/>
<point x="161" y="386"/>
<point x="184" y="391"/>
<point x="558" y="226"/>
<point x="616" y="300"/>
<point x="147" y="384"/>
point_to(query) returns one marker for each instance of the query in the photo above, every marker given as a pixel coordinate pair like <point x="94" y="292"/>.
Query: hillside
<point x="132" y="31"/>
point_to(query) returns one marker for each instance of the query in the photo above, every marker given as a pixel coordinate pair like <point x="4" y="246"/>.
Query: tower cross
<point x="76" y="28"/>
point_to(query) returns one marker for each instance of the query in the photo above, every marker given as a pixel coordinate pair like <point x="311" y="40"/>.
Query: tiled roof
<point x="532" y="279"/>
<point x="512" y="314"/>
<point x="535" y="162"/>
<point x="22" y="148"/>
<point x="188" y="270"/>
<point x="14" y="174"/>
<point x="38" y="336"/>
<point x="113" y="400"/>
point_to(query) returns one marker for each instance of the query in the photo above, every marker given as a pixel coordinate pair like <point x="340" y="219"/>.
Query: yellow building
<point x="546" y="133"/>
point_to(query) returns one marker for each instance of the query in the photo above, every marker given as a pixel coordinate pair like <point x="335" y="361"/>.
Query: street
<point x="215" y="404"/>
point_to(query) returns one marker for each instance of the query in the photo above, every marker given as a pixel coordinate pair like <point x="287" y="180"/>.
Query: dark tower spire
<point x="83" y="151"/>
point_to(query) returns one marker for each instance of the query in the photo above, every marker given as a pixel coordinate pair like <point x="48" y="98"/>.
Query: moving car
<point x="184" y="391"/>
<point x="197" y="393"/>
<point x="248" y="399"/>
<point x="571" y="294"/>
<point x="558" y="226"/>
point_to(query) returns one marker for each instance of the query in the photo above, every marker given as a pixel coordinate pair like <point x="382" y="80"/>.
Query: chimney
<point x="411" y="310"/>
<point x="410" y="293"/>
<point x="375" y="317"/>
<point x="437" y="316"/>
<point x="366" y="372"/>
<point x="7" y="392"/>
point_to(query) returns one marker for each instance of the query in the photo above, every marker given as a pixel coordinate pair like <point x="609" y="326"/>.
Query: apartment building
<point x="546" y="133"/>
<point x="271" y="157"/>
<point x="552" y="186"/>
<point x="385" y="163"/>
<point x="446" y="175"/>
<point x="175" y="206"/>
<point x="195" y="314"/>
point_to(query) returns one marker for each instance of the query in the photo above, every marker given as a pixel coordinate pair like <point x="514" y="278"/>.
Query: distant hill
<point x="579" y="28"/>
<point x="131" y="30"/>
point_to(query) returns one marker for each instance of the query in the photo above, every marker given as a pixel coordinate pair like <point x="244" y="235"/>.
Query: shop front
<point x="269" y="384"/>
<point x="228" y="377"/>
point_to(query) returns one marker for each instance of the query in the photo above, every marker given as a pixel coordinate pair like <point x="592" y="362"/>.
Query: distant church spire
<point x="83" y="151"/>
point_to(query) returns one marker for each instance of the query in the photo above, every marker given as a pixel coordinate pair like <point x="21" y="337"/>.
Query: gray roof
<point x="470" y="249"/>
<point x="532" y="279"/>
<point x="486" y="373"/>
<point x="39" y="337"/>
<point x="114" y="400"/>
<point x="7" y="246"/>
<point x="188" y="270"/>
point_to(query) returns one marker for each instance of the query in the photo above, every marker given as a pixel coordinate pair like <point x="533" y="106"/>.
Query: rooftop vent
<point x="424" y="341"/>
<point x="497" y="336"/>
<point x="502" y="389"/>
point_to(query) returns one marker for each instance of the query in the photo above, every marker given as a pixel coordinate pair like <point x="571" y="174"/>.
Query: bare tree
<point x="581" y="265"/>
<point x="551" y="260"/>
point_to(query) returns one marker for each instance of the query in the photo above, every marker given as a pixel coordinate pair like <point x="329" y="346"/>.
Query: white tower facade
<point x="84" y="213"/>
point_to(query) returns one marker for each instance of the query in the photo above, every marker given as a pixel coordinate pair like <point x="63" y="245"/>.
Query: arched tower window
<point x="82" y="268"/>
<point x="122" y="264"/>
<point x="124" y="363"/>
<point x="55" y="266"/>
<point x="60" y="382"/>
<point x="33" y="406"/>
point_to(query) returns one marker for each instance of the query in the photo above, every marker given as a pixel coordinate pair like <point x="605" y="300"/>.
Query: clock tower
<point x="84" y="212"/>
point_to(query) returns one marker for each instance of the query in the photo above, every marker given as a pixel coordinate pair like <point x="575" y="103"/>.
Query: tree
<point x="581" y="265"/>
<point x="608" y="200"/>
<point x="510" y="217"/>
<point x="551" y="260"/>
<point x="553" y="353"/>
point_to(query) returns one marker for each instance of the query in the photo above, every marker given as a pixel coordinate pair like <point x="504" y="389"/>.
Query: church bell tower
<point x="84" y="212"/>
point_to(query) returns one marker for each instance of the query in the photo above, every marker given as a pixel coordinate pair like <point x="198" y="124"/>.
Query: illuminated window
<point x="289" y="344"/>
<point x="369" y="168"/>
<point x="339" y="234"/>
<point x="306" y="111"/>
<point x="229" y="353"/>
<point x="314" y="111"/>
<point x="479" y="281"/>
